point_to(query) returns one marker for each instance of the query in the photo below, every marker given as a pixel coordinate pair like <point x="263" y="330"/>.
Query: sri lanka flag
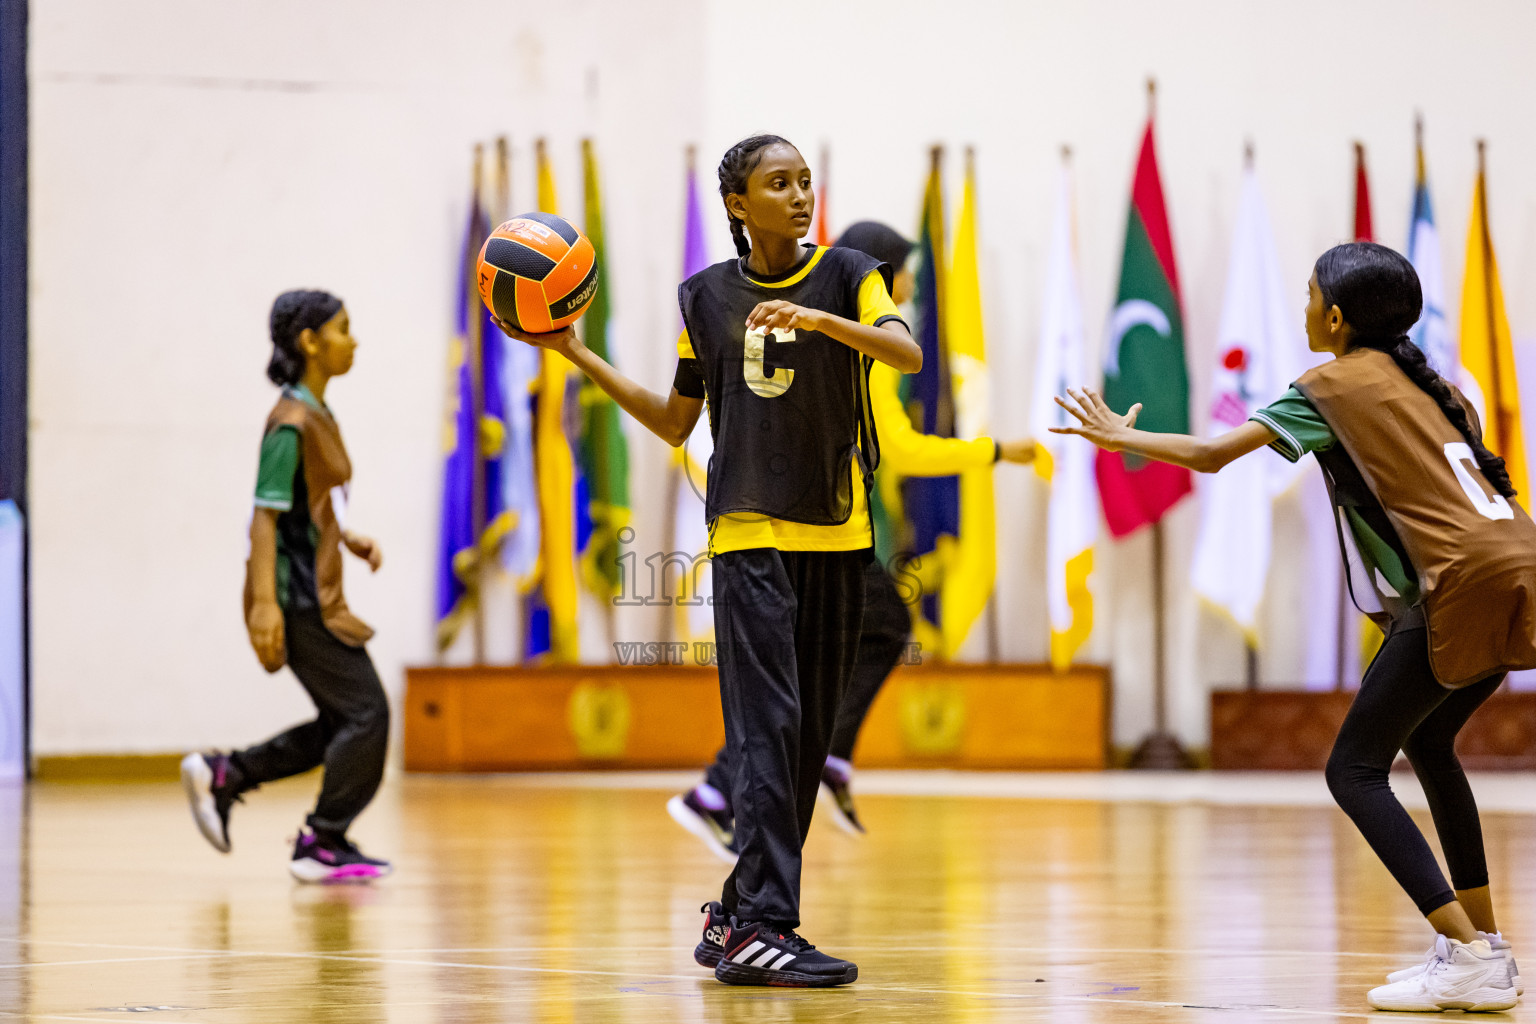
<point x="1144" y="360"/>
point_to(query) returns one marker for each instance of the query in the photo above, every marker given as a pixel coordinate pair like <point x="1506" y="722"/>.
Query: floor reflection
<point x="580" y="906"/>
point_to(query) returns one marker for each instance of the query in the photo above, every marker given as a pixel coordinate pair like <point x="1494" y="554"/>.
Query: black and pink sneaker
<point x="757" y="954"/>
<point x="317" y="859"/>
<point x="212" y="786"/>
<point x="716" y="922"/>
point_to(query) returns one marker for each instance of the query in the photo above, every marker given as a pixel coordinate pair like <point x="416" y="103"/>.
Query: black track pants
<point x="1400" y="706"/>
<point x="786" y="632"/>
<point x="349" y="737"/>
<point x="883" y="639"/>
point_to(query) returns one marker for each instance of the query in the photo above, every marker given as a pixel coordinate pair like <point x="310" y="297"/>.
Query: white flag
<point x="694" y="614"/>
<point x="1258" y="356"/>
<point x="1430" y="333"/>
<point x="1065" y="462"/>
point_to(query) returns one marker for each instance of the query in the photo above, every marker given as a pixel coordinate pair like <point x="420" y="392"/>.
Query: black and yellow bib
<point x="788" y="410"/>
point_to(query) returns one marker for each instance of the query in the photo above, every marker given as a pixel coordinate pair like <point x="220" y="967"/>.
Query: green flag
<point x="603" y="452"/>
<point x="1145" y="360"/>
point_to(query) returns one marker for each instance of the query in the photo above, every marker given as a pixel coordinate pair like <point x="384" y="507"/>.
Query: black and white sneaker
<point x="717" y="829"/>
<point x="838" y="797"/>
<point x="211" y="791"/>
<point x="322" y="859"/>
<point x="756" y="954"/>
<point x="716" y="922"/>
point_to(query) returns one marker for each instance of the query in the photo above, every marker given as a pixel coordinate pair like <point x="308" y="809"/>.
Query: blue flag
<point x="461" y="554"/>
<point x="931" y="504"/>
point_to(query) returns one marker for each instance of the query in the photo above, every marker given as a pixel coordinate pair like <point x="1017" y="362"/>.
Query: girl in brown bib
<point x="296" y="612"/>
<point x="1447" y="563"/>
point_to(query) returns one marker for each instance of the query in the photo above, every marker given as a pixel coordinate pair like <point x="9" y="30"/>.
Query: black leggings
<point x="1400" y="706"/>
<point x="349" y="737"/>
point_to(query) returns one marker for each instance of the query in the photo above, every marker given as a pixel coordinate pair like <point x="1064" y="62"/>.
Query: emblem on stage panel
<point x="599" y="720"/>
<point x="932" y="718"/>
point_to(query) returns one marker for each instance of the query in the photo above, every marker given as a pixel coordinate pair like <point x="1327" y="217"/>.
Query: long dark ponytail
<point x="292" y="314"/>
<point x="735" y="167"/>
<point x="1378" y="292"/>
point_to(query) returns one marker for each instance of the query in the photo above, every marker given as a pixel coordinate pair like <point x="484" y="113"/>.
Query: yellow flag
<point x="1487" y="352"/>
<point x="970" y="577"/>
<point x="556" y="476"/>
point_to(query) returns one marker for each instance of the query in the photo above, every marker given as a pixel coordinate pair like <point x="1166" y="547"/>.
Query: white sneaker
<point x="1459" y="976"/>
<point x="1499" y="944"/>
<point x="1496" y="942"/>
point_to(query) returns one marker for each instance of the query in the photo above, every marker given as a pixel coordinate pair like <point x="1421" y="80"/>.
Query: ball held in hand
<point x="538" y="272"/>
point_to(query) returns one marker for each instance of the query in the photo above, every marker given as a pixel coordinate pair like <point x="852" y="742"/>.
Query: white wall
<point x="190" y="162"/>
<point x="208" y="156"/>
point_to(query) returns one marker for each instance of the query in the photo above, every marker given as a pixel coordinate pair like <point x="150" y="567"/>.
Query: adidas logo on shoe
<point x="757" y="954"/>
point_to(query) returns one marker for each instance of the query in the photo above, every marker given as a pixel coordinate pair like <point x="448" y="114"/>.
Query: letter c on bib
<point x="752" y="366"/>
<point x="1489" y="506"/>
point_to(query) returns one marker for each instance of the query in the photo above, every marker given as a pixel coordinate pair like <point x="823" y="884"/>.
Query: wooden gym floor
<point x="1090" y="898"/>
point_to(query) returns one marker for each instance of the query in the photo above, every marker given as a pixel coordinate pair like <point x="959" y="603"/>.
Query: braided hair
<point x="292" y="314"/>
<point x="1378" y="292"/>
<point x="735" y="167"/>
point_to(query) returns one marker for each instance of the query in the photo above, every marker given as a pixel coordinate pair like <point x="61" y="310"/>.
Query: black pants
<point x="349" y="737"/>
<point x="882" y="643"/>
<point x="1400" y="706"/>
<point x="786" y="633"/>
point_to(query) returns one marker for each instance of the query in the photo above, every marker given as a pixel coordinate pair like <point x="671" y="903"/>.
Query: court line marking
<point x="113" y="960"/>
<point x="63" y="1017"/>
<point x="1225" y="951"/>
<point x="1044" y="998"/>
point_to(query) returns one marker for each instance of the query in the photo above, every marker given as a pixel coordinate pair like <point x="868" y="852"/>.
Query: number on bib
<point x="1493" y="506"/>
<point x="752" y="366"/>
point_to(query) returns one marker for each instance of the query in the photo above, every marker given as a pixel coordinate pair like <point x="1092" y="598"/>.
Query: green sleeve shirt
<point x="1301" y="429"/>
<point x="274" y="473"/>
<point x="1299" y="426"/>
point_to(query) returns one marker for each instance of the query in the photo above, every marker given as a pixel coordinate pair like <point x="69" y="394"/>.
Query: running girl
<point x="1451" y="562"/>
<point x="295" y="610"/>
<point x="780" y="343"/>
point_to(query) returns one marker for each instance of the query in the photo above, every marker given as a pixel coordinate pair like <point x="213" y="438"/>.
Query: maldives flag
<point x="1144" y="361"/>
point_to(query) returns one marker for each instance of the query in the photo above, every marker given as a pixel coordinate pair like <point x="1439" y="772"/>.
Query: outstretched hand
<point x="1097" y="421"/>
<point x="560" y="341"/>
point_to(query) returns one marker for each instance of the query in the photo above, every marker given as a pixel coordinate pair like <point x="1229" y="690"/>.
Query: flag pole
<point x="993" y="642"/>
<point x="474" y="340"/>
<point x="503" y="195"/>
<point x="1161" y="750"/>
<point x="1501" y="424"/>
<point x="1250" y="644"/>
<point x="678" y="468"/>
<point x="1418" y="143"/>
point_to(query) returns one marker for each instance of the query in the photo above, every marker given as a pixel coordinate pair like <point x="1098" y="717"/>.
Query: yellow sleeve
<point x="909" y="451"/>
<point x="874" y="301"/>
<point x="685" y="346"/>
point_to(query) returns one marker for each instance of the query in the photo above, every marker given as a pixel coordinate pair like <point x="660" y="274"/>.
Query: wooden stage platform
<point x="668" y="716"/>
<point x="574" y="899"/>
